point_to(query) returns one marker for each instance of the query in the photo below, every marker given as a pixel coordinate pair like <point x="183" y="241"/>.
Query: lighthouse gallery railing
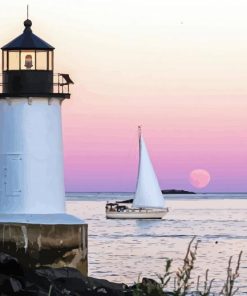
<point x="60" y="85"/>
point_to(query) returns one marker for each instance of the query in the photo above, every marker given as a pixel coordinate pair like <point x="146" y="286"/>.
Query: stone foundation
<point x="34" y="245"/>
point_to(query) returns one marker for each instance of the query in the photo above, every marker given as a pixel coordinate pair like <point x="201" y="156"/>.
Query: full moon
<point x="199" y="178"/>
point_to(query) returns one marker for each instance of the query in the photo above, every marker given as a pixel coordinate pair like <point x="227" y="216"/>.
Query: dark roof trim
<point x="27" y="40"/>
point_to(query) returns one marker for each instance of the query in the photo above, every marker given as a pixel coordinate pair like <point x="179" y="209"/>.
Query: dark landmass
<point x="176" y="191"/>
<point x="125" y="201"/>
<point x="164" y="191"/>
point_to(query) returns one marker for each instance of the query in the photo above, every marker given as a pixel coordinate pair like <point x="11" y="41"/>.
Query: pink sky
<point x="101" y="142"/>
<point x="177" y="67"/>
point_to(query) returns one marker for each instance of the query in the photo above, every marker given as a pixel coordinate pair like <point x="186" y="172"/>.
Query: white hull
<point x="137" y="214"/>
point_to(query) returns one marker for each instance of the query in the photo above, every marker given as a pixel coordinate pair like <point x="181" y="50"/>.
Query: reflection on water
<point x="120" y="250"/>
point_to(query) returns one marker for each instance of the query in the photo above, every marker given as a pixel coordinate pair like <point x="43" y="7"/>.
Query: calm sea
<point x="122" y="250"/>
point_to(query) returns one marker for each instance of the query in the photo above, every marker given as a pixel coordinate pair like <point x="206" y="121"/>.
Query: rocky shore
<point x="45" y="281"/>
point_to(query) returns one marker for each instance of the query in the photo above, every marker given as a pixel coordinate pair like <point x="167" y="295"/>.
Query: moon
<point x="199" y="178"/>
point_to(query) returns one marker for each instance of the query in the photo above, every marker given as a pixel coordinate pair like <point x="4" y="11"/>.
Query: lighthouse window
<point x="5" y="67"/>
<point x="13" y="60"/>
<point x="41" y="60"/>
<point x="50" y="61"/>
<point x="27" y="60"/>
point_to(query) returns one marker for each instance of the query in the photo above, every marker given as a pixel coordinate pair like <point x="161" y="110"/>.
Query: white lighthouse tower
<point x="31" y="154"/>
<point x="31" y="151"/>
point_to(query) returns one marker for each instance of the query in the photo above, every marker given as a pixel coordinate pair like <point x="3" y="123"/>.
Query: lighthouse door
<point x="13" y="174"/>
<point x="1" y="174"/>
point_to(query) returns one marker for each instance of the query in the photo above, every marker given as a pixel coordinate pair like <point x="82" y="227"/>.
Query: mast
<point x="139" y="131"/>
<point x="139" y="152"/>
<point x="148" y="193"/>
<point x="139" y="139"/>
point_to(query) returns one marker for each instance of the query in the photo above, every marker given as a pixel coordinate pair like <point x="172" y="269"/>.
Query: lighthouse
<point x="33" y="221"/>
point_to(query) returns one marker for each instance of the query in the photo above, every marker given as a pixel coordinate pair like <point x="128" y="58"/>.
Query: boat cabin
<point x="115" y="207"/>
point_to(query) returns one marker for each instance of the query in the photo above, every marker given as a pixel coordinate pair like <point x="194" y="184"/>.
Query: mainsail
<point x="148" y="193"/>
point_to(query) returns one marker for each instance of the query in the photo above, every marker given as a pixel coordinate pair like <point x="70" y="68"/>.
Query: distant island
<point x="164" y="191"/>
<point x="176" y="191"/>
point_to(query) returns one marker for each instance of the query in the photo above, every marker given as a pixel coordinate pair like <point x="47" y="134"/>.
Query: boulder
<point x="46" y="281"/>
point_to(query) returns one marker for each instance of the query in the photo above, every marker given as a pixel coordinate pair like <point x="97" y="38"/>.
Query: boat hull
<point x="137" y="214"/>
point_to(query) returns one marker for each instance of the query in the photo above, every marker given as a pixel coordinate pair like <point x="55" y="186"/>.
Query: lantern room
<point x="27" y="60"/>
<point x="27" y="64"/>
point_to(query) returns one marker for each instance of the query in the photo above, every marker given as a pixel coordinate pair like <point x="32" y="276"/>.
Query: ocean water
<point x="123" y="250"/>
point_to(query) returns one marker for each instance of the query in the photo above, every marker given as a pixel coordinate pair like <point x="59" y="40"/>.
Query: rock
<point x="10" y="265"/>
<point x="104" y="287"/>
<point x="9" y="285"/>
<point x="150" y="287"/>
<point x="44" y="281"/>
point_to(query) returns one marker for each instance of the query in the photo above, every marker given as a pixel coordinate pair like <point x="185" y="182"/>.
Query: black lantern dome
<point x="27" y="64"/>
<point x="27" y="68"/>
<point x="28" y="40"/>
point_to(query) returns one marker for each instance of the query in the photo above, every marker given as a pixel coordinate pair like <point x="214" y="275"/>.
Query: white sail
<point x="148" y="193"/>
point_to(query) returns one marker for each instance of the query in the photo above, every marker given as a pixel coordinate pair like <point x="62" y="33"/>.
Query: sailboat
<point x="148" y="201"/>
